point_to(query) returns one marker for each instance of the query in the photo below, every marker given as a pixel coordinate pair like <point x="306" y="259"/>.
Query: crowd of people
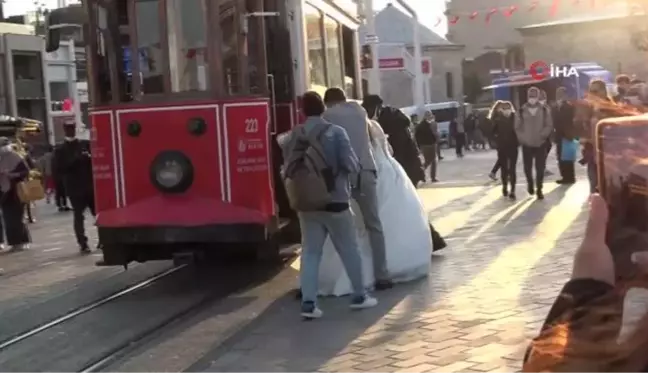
<point x="66" y="175"/>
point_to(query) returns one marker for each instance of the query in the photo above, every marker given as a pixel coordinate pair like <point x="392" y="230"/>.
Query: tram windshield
<point x="155" y="49"/>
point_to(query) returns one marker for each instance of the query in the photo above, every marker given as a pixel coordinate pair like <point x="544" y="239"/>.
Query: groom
<point x="353" y="118"/>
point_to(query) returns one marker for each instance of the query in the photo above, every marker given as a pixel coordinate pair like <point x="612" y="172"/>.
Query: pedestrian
<point x="331" y="150"/>
<point x="396" y="126"/>
<point x="73" y="164"/>
<point x="494" y="110"/>
<point x="564" y="131"/>
<point x="13" y="170"/>
<point x="44" y="165"/>
<point x="507" y="145"/>
<point x="25" y="151"/>
<point x="470" y="125"/>
<point x="354" y="120"/>
<point x="598" y="105"/>
<point x="533" y="127"/>
<point x="623" y="85"/>
<point x="60" y="195"/>
<point x="459" y="134"/>
<point x="427" y="138"/>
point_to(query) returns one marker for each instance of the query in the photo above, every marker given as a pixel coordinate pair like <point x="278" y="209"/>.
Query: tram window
<point x="187" y="46"/>
<point x="316" y="60"/>
<point x="255" y="47"/>
<point x="149" y="47"/>
<point x="350" y="74"/>
<point x="229" y="47"/>
<point x="333" y="52"/>
<point x="104" y="86"/>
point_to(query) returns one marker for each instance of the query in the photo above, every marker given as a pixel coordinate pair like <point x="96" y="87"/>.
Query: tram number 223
<point x="251" y="125"/>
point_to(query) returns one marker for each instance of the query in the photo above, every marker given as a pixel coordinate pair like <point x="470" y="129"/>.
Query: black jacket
<point x="73" y="164"/>
<point x="563" y="120"/>
<point x="396" y="126"/>
<point x="424" y="135"/>
<point x="504" y="131"/>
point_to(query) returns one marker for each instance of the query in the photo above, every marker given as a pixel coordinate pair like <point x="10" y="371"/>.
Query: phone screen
<point x="622" y="160"/>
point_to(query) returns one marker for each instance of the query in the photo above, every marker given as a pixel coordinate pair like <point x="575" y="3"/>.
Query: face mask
<point x="533" y="100"/>
<point x="507" y="112"/>
<point x="68" y="138"/>
<point x="543" y="102"/>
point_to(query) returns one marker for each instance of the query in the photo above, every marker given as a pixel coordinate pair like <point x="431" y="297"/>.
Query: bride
<point x="405" y="226"/>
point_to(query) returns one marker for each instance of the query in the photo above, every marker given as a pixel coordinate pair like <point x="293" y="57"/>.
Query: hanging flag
<point x="490" y="14"/>
<point x="453" y="20"/>
<point x="473" y="15"/>
<point x="555" y="4"/>
<point x="438" y="22"/>
<point x="533" y="6"/>
<point x="509" y="12"/>
<point x="576" y="2"/>
<point x="592" y="3"/>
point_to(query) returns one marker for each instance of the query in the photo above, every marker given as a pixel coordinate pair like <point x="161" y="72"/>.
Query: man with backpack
<point x="318" y="163"/>
<point x="533" y="127"/>
<point x="353" y="118"/>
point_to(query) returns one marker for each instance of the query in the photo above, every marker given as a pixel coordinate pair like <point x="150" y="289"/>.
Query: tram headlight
<point x="171" y="172"/>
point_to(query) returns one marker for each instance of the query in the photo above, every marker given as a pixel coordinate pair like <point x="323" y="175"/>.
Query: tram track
<point x="98" y="334"/>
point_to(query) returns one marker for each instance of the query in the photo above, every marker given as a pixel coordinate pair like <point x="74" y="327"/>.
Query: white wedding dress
<point x="405" y="225"/>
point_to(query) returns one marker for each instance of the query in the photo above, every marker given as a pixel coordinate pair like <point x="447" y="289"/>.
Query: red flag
<point x="533" y="6"/>
<point x="438" y="22"/>
<point x="555" y="4"/>
<point x="490" y="14"/>
<point x="593" y="3"/>
<point x="67" y="104"/>
<point x="453" y="20"/>
<point x="473" y="15"/>
<point x="576" y="2"/>
<point x="509" y="12"/>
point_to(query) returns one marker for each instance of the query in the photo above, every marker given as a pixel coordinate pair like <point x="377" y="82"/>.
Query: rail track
<point x="136" y="315"/>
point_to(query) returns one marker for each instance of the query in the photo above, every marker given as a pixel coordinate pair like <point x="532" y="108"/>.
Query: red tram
<point x="187" y="97"/>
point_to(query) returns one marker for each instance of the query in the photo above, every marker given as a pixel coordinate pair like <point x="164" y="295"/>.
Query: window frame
<point x="338" y="31"/>
<point x="214" y="42"/>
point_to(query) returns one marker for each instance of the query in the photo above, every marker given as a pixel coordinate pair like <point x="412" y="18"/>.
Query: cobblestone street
<point x="487" y="293"/>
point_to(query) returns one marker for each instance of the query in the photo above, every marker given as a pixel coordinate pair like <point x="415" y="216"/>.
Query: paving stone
<point x="486" y="295"/>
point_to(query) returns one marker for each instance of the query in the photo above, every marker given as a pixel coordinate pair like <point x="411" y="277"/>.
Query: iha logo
<point x="540" y="70"/>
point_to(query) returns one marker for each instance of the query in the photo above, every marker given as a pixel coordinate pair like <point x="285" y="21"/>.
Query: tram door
<point x="282" y="91"/>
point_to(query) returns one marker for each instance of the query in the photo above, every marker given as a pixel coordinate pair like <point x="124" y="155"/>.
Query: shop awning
<point x="515" y="83"/>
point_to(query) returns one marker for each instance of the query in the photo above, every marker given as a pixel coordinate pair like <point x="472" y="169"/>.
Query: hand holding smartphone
<point x="622" y="161"/>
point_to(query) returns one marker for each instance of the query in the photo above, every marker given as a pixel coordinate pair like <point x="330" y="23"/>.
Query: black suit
<point x="563" y="119"/>
<point x="74" y="165"/>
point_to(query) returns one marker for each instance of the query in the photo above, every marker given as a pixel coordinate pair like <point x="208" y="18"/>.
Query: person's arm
<point x="517" y="124"/>
<point x="347" y="158"/>
<point x="572" y="301"/>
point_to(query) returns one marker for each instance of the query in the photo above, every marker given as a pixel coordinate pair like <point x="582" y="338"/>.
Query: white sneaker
<point x="309" y="310"/>
<point x="367" y="302"/>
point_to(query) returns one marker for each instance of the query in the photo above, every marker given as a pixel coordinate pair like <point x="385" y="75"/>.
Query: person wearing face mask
<point x="563" y="119"/>
<point x="74" y="165"/>
<point x="503" y="119"/>
<point x="13" y="169"/>
<point x="533" y="127"/>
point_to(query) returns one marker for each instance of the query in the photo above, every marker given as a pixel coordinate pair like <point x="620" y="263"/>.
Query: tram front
<point x="180" y="124"/>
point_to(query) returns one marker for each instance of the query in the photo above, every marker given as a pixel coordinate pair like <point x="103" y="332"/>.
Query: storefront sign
<point x="249" y="174"/>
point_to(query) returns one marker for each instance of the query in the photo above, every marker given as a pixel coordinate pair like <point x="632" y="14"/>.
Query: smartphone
<point x="622" y="162"/>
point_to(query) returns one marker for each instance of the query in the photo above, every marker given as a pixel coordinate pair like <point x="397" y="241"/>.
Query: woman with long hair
<point x="507" y="145"/>
<point x="494" y="110"/>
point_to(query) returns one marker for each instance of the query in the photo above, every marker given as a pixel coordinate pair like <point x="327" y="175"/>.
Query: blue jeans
<point x="315" y="227"/>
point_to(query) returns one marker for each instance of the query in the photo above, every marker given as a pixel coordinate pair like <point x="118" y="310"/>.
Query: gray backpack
<point x="308" y="178"/>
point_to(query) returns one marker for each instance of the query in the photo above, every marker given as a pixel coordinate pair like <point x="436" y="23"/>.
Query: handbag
<point x="30" y="190"/>
<point x="568" y="150"/>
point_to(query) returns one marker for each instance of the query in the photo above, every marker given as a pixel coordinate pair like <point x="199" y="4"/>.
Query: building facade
<point x="605" y="40"/>
<point x="395" y="28"/>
